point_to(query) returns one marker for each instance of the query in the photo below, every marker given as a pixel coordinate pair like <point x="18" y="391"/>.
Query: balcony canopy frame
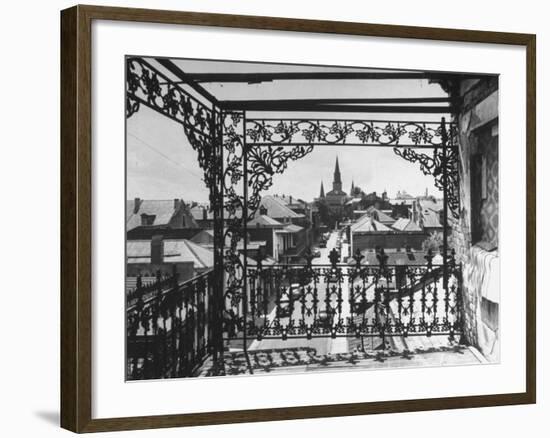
<point x="240" y="152"/>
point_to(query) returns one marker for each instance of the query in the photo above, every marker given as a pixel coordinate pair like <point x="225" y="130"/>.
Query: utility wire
<point x="163" y="155"/>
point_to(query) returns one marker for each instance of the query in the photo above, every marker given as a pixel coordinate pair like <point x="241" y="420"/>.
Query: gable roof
<point x="264" y="221"/>
<point x="405" y="224"/>
<point x="163" y="210"/>
<point x="367" y="224"/>
<point x="277" y="208"/>
<point x="379" y="215"/>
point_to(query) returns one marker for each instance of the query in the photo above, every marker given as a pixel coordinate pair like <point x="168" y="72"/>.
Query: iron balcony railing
<point x="358" y="300"/>
<point x="169" y="330"/>
<point x="174" y="328"/>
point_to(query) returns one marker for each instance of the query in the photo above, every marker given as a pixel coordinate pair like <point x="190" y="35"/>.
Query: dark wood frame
<point x="76" y="238"/>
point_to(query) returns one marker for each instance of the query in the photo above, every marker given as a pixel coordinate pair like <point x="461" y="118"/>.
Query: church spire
<point x="322" y="194"/>
<point x="352" y="190"/>
<point x="337" y="178"/>
<point x="337" y="182"/>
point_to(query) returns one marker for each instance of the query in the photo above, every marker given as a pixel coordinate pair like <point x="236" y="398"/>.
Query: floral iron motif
<point x="344" y="132"/>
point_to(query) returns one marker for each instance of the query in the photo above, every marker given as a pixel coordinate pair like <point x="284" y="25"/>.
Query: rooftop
<point x="175" y="251"/>
<point x="277" y="208"/>
<point x="405" y="224"/>
<point x="367" y="224"/>
<point x="264" y="221"/>
<point x="163" y="211"/>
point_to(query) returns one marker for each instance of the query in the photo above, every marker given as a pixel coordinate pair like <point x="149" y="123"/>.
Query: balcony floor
<point x="298" y="355"/>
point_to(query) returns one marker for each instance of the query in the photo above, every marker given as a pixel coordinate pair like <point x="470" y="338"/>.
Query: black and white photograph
<point x="286" y="219"/>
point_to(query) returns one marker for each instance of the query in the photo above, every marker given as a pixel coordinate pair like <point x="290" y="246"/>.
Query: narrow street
<point x="322" y="345"/>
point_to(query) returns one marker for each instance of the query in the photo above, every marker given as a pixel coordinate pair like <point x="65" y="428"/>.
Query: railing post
<point x="215" y="292"/>
<point x="444" y="167"/>
<point x="380" y="298"/>
<point x="173" y="319"/>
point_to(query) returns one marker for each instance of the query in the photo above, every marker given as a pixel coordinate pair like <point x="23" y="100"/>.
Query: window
<point x="484" y="188"/>
<point x="147" y="219"/>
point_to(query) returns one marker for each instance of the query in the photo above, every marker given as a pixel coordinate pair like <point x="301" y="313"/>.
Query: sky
<point x="162" y="165"/>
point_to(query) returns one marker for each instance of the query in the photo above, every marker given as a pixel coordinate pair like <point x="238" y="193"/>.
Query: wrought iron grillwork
<point x="239" y="157"/>
<point x="345" y="132"/>
<point x="145" y="85"/>
<point x="442" y="165"/>
<point x="170" y="331"/>
<point x="354" y="301"/>
<point x="248" y="172"/>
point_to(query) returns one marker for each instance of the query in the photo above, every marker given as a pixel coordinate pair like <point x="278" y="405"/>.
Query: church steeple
<point x="322" y="194"/>
<point x="337" y="183"/>
<point x="337" y="172"/>
<point x="352" y="190"/>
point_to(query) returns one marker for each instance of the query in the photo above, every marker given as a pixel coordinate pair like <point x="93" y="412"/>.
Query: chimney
<point x="157" y="250"/>
<point x="204" y="214"/>
<point x="176" y="203"/>
<point x="137" y="203"/>
<point x="290" y="199"/>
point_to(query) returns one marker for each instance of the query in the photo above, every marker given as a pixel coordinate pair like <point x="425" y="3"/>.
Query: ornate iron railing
<point x="170" y="332"/>
<point x="336" y="300"/>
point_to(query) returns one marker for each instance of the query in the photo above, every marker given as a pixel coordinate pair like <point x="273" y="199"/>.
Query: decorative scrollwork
<point x="443" y="166"/>
<point x="345" y="132"/>
<point x="233" y="206"/>
<point x="263" y="163"/>
<point x="384" y="300"/>
<point x="147" y="86"/>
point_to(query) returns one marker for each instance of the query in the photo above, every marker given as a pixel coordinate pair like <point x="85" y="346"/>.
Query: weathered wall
<point x="477" y="249"/>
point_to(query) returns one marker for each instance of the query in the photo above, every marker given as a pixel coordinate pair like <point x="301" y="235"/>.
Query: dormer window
<point x="147" y="219"/>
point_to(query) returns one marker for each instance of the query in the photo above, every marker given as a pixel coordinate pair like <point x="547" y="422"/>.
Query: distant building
<point x="145" y="257"/>
<point x="277" y="207"/>
<point x="370" y="233"/>
<point x="336" y="198"/>
<point x="427" y="212"/>
<point x="158" y="214"/>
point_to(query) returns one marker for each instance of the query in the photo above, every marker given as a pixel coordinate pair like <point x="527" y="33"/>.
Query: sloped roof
<point x="264" y="221"/>
<point x="203" y="237"/>
<point x="405" y="224"/>
<point x="277" y="209"/>
<point x="175" y="251"/>
<point x="367" y="224"/>
<point x="296" y="202"/>
<point x="429" y="209"/>
<point x="163" y="210"/>
<point x="293" y="228"/>
<point x="379" y="215"/>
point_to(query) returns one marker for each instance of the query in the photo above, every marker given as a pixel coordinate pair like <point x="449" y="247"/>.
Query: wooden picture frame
<point x="76" y="218"/>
